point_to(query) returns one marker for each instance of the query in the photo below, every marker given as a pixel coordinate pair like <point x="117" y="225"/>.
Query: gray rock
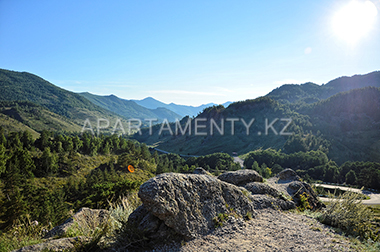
<point x="297" y="188"/>
<point x="63" y="244"/>
<point x="241" y="177"/>
<point x="261" y="188"/>
<point x="187" y="203"/>
<point x="85" y="221"/>
<point x="201" y="171"/>
<point x="153" y="227"/>
<point x="288" y="175"/>
<point x="265" y="196"/>
<point x="261" y="201"/>
<point x="289" y="183"/>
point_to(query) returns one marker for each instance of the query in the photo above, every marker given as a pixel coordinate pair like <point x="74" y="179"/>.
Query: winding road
<point x="239" y="160"/>
<point x="374" y="197"/>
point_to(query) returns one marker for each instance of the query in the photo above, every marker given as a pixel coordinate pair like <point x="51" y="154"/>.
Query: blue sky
<point x="186" y="52"/>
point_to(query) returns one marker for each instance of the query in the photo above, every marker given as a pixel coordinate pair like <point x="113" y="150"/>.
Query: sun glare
<point x="354" y="20"/>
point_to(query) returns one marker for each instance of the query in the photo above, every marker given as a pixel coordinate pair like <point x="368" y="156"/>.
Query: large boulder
<point x="241" y="177"/>
<point x="201" y="171"/>
<point x="154" y="228"/>
<point x="299" y="189"/>
<point x="188" y="203"/>
<point x="262" y="188"/>
<point x="290" y="184"/>
<point x="266" y="196"/>
<point x="288" y="175"/>
<point x="84" y="221"/>
<point x="262" y="201"/>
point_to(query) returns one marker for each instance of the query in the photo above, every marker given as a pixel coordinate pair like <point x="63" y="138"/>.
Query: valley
<point x="72" y="150"/>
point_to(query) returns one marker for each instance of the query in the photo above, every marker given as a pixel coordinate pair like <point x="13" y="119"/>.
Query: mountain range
<point x="340" y="118"/>
<point x="131" y="109"/>
<point x="182" y="110"/>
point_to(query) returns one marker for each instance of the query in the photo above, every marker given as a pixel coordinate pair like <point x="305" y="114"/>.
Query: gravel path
<point x="270" y="231"/>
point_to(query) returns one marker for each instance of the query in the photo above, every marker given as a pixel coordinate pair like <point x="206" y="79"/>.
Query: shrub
<point x="350" y="215"/>
<point x="304" y="202"/>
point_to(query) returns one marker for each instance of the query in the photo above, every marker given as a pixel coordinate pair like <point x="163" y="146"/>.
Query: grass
<point x="22" y="234"/>
<point x="350" y="215"/>
<point x="109" y="233"/>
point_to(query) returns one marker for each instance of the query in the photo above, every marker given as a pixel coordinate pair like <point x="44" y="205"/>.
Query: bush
<point x="350" y="215"/>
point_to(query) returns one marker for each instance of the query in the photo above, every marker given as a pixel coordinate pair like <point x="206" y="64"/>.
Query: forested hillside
<point x="33" y="116"/>
<point x="310" y="92"/>
<point x="23" y="86"/>
<point x="44" y="179"/>
<point x="345" y="127"/>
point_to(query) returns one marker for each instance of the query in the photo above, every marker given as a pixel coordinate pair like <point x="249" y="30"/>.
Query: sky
<point x="188" y="52"/>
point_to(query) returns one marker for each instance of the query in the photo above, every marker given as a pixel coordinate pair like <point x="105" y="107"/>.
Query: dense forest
<point x="344" y="126"/>
<point x="48" y="178"/>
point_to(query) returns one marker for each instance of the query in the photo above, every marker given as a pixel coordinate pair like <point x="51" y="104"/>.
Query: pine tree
<point x="49" y="162"/>
<point x="351" y="177"/>
<point x="3" y="140"/>
<point x="27" y="140"/>
<point x="3" y="159"/>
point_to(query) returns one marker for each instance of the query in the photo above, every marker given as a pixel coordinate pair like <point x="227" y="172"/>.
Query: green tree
<point x="3" y="140"/>
<point x="27" y="139"/>
<point x="3" y="159"/>
<point x="276" y="168"/>
<point x="68" y="144"/>
<point x="351" y="177"/>
<point x="49" y="162"/>
<point x="44" y="140"/>
<point x="77" y="144"/>
<point x="14" y="141"/>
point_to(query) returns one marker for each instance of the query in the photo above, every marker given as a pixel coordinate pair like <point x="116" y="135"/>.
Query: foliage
<point x="22" y="86"/>
<point x="350" y="215"/>
<point x="24" y="233"/>
<point x="216" y="163"/>
<point x="220" y="219"/>
<point x="304" y="202"/>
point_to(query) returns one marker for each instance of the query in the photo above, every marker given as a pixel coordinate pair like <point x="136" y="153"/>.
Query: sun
<point x="354" y="20"/>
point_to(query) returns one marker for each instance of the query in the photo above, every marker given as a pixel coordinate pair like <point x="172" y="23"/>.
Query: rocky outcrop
<point x="63" y="244"/>
<point x="84" y="221"/>
<point x="266" y="196"/>
<point x="241" y="177"/>
<point x="261" y="201"/>
<point x="297" y="189"/>
<point x="188" y="203"/>
<point x="201" y="171"/>
<point x="288" y="175"/>
<point x="290" y="184"/>
<point x="262" y="188"/>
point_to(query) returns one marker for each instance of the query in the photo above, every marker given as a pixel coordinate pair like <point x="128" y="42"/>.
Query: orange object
<point x="131" y="168"/>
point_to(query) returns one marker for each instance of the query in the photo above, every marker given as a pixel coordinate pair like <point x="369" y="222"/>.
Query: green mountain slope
<point x="344" y="126"/>
<point x="233" y="138"/>
<point x="310" y="92"/>
<point x="130" y="109"/>
<point x="9" y="124"/>
<point x="351" y="121"/>
<point x="35" y="117"/>
<point x="22" y="86"/>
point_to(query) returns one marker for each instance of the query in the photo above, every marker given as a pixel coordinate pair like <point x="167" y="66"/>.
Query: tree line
<point x="315" y="165"/>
